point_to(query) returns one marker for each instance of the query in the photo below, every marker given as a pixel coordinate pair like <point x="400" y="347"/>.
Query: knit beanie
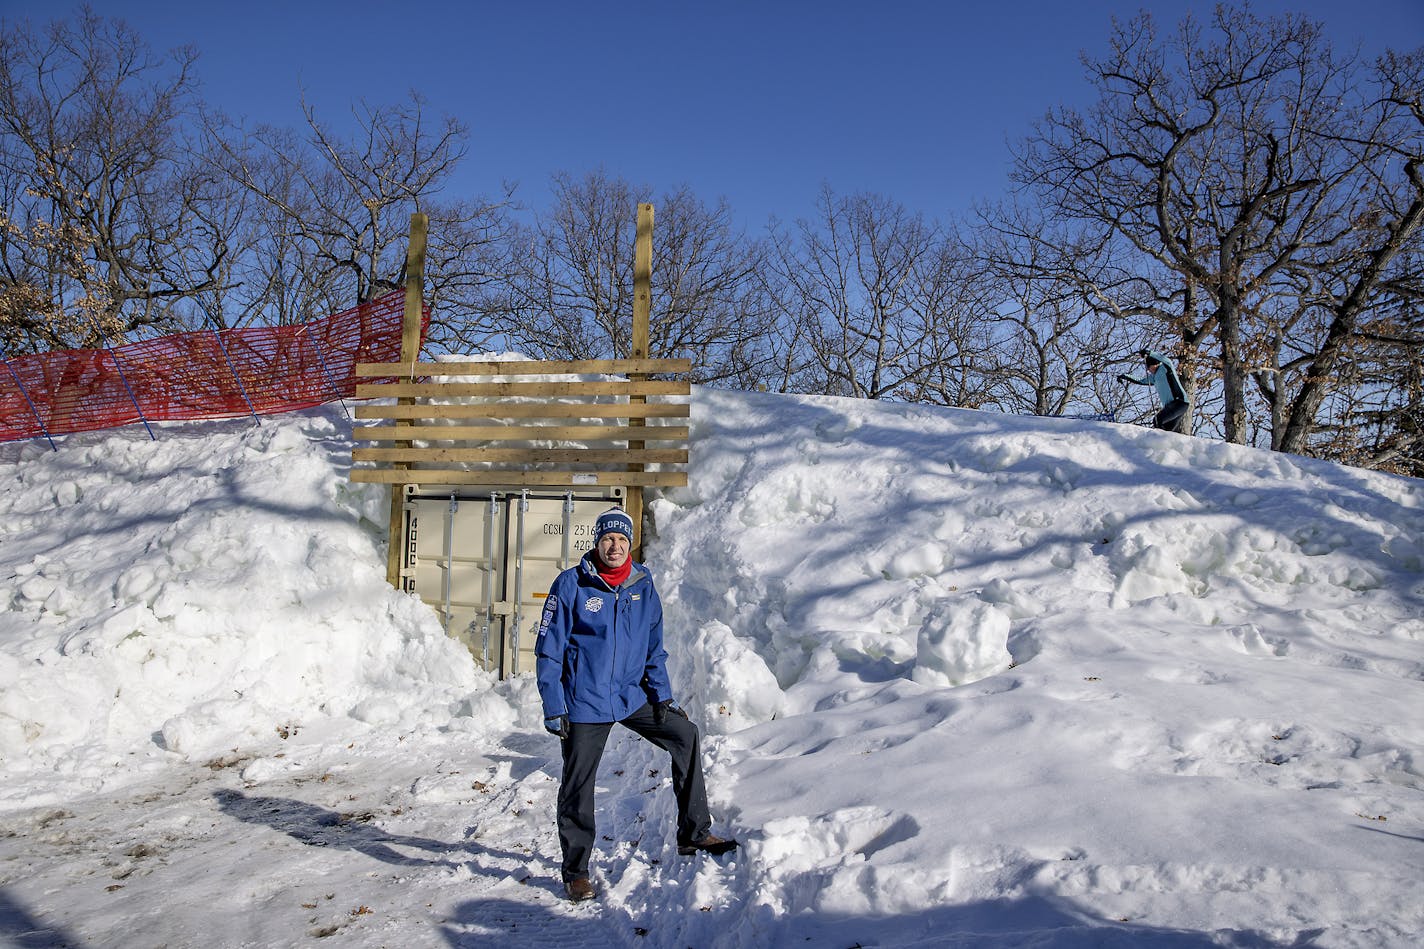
<point x="614" y="520"/>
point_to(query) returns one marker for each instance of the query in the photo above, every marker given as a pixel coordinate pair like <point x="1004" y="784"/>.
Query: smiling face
<point x="613" y="549"/>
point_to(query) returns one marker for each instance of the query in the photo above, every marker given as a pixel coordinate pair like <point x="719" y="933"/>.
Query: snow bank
<point x="219" y="588"/>
<point x="966" y="679"/>
<point x="1025" y="656"/>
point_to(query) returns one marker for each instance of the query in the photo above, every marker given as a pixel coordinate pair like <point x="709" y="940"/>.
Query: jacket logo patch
<point x="593" y="604"/>
<point x="636" y="596"/>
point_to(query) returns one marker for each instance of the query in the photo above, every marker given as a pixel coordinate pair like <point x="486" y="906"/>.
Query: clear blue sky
<point x="759" y="102"/>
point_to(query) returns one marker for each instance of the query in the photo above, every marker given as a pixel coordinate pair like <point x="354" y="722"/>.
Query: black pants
<point x="1171" y="416"/>
<point x="583" y="749"/>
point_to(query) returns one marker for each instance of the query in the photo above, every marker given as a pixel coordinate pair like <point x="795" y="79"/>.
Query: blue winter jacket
<point x="1169" y="387"/>
<point x="600" y="654"/>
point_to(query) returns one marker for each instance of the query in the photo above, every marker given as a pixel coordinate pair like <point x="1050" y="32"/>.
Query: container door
<point x="455" y="562"/>
<point x="538" y="552"/>
<point x="485" y="566"/>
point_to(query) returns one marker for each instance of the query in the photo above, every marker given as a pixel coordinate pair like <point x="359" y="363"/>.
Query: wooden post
<point x="642" y="307"/>
<point x="410" y="355"/>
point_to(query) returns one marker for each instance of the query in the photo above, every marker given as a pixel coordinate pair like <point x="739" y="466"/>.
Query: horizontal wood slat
<point x="524" y="367"/>
<point x="655" y="479"/>
<point x="604" y="419"/>
<point x="530" y="433"/>
<point x="529" y="410"/>
<point x="537" y="390"/>
<point x="526" y="456"/>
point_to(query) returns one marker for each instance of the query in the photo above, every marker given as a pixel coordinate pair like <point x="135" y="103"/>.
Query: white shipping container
<point x="484" y="562"/>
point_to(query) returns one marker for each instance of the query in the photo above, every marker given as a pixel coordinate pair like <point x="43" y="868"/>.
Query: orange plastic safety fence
<point x="202" y="374"/>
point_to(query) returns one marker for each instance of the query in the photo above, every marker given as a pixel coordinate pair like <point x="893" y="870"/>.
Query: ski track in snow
<point x="964" y="679"/>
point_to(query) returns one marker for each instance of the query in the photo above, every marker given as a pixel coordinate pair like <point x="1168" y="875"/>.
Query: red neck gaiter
<point x="613" y="577"/>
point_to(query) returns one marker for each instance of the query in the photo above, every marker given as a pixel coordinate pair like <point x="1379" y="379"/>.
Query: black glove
<point x="558" y="726"/>
<point x="661" y="709"/>
<point x="1122" y="378"/>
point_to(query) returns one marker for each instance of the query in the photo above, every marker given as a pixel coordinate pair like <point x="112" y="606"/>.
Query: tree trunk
<point x="1233" y="378"/>
<point x="1345" y="320"/>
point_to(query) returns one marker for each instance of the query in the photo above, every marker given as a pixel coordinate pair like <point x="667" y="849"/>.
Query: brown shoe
<point x="579" y="889"/>
<point x="709" y="843"/>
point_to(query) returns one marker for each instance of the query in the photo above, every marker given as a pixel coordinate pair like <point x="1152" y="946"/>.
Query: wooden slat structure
<point x="575" y="425"/>
<point x="524" y="423"/>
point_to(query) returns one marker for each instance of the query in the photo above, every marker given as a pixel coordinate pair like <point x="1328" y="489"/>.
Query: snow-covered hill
<point x="968" y="680"/>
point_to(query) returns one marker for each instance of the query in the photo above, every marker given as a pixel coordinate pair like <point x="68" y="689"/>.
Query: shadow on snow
<point x="319" y="827"/>
<point x="1032" y="921"/>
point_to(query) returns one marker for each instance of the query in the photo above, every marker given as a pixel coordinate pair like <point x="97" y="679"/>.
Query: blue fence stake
<point x="326" y="374"/>
<point x="240" y="387"/>
<point x="35" y="411"/>
<point x="129" y="389"/>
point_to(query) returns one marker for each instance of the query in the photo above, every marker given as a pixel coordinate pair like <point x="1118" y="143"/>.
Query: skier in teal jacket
<point x="1162" y="374"/>
<point x="600" y="660"/>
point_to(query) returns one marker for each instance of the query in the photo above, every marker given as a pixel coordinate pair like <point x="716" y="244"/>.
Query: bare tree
<point x="871" y="291"/>
<point x="1360" y="291"/>
<point x="336" y="222"/>
<point x="958" y="309"/>
<point x="1218" y="159"/>
<point x="573" y="297"/>
<point x="707" y="301"/>
<point x="573" y="293"/>
<point x="1048" y="290"/>
<point x="470" y="264"/>
<point x="108" y="193"/>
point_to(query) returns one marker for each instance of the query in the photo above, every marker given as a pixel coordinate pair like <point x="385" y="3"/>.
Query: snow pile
<point x="966" y="680"/>
<point x="218" y="588"/>
<point x="1164" y="681"/>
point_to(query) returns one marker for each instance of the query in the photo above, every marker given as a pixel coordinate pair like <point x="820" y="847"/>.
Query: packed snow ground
<point x="967" y="680"/>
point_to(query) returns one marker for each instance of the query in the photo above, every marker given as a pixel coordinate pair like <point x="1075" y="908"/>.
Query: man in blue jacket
<point x="1162" y="374"/>
<point x="600" y="660"/>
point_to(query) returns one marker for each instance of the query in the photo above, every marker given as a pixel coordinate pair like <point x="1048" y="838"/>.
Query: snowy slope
<point x="967" y="680"/>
